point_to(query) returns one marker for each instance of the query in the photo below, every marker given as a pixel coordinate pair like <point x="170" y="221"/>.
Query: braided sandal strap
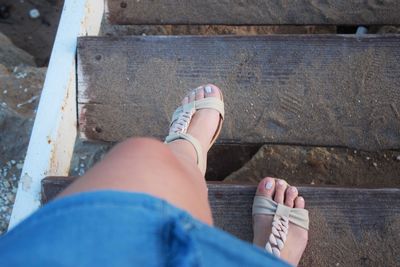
<point x="283" y="215"/>
<point x="277" y="239"/>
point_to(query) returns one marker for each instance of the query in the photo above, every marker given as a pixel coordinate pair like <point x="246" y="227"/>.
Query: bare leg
<point x="168" y="171"/>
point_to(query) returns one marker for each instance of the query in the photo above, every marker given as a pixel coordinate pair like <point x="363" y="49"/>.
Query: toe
<point x="266" y="187"/>
<point x="192" y="96"/>
<point x="290" y="196"/>
<point x="280" y="189"/>
<point x="212" y="91"/>
<point x="299" y="203"/>
<point x="199" y="93"/>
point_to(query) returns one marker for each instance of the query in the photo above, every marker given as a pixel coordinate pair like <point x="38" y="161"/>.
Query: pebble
<point x="13" y="162"/>
<point x="375" y="164"/>
<point x="21" y="75"/>
<point x="20" y="166"/>
<point x="34" y="13"/>
<point x="5" y="92"/>
<point x="398" y="158"/>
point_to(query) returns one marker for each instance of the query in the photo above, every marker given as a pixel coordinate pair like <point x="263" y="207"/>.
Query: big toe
<point x="266" y="187"/>
<point x="211" y="90"/>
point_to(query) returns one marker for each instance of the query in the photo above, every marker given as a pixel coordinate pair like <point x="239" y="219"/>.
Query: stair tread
<point x="322" y="90"/>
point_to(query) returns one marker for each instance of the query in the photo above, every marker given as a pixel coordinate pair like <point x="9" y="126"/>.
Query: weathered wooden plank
<point x="309" y="90"/>
<point x="347" y="224"/>
<point x="237" y="12"/>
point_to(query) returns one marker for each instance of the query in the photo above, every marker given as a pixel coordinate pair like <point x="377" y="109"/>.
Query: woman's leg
<point x="167" y="171"/>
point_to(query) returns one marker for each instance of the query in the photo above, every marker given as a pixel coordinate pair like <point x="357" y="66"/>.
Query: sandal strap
<point x="205" y="103"/>
<point x="278" y="236"/>
<point x="183" y="116"/>
<point x="264" y="205"/>
<point x="211" y="103"/>
<point x="193" y="141"/>
<point x="280" y="224"/>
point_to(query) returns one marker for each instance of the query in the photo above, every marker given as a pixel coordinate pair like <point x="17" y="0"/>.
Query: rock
<point x="85" y="155"/>
<point x="22" y="101"/>
<point x="389" y="30"/>
<point x="13" y="141"/>
<point x="321" y="166"/>
<point x="12" y="56"/>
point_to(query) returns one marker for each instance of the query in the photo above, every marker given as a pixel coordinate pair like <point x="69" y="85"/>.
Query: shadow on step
<point x="299" y="165"/>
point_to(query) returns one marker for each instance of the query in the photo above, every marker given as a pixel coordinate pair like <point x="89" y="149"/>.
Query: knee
<point x="142" y="146"/>
<point x="140" y="142"/>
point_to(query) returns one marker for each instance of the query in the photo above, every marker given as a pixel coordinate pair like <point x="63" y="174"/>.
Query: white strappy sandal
<point x="280" y="224"/>
<point x="181" y="120"/>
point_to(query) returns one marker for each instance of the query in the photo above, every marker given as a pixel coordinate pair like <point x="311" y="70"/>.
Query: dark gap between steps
<point x="299" y="165"/>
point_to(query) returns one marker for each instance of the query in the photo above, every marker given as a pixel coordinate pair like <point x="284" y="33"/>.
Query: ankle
<point x="183" y="151"/>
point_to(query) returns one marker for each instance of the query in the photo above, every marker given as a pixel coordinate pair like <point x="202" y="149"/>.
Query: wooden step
<point x="255" y="12"/>
<point x="349" y="226"/>
<point x="322" y="90"/>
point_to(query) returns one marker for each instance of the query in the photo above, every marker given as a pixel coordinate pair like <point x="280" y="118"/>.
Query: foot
<point x="297" y="237"/>
<point x="204" y="122"/>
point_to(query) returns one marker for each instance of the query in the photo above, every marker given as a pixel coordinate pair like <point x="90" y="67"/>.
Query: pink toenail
<point x="281" y="182"/>
<point x="208" y="89"/>
<point x="293" y="189"/>
<point x="268" y="185"/>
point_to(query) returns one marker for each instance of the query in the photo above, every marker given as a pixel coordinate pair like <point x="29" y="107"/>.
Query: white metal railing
<point x="52" y="141"/>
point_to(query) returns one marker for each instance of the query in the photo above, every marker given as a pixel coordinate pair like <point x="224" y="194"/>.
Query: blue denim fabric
<point x="110" y="228"/>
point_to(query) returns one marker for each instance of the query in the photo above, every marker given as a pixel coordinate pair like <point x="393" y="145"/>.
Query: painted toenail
<point x="268" y="185"/>
<point x="208" y="89"/>
<point x="293" y="189"/>
<point x="281" y="182"/>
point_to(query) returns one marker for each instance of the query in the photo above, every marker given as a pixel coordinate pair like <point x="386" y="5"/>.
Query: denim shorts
<point x="112" y="228"/>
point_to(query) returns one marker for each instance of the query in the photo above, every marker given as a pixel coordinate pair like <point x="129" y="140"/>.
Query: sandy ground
<point x="25" y="47"/>
<point x="36" y="36"/>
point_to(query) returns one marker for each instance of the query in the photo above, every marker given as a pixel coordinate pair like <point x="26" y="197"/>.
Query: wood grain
<point x="349" y="226"/>
<point x="256" y="12"/>
<point x="322" y="90"/>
